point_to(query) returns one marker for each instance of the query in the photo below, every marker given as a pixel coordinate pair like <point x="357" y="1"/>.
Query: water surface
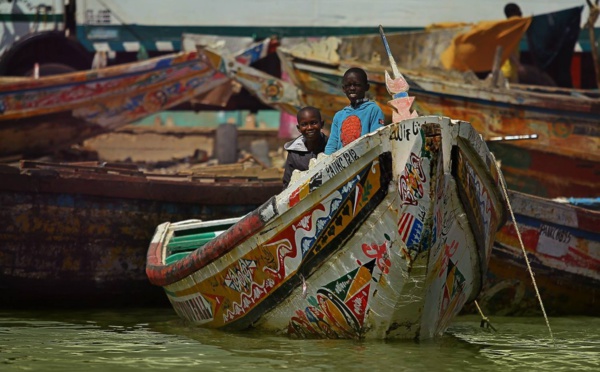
<point x="155" y="339"/>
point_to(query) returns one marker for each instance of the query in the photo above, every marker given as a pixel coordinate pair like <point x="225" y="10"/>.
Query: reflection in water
<point x="155" y="339"/>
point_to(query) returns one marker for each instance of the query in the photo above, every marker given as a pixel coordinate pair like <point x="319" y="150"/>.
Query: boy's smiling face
<point x="354" y="86"/>
<point x="310" y="124"/>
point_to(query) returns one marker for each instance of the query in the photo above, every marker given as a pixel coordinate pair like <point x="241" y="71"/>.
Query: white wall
<point x="317" y="13"/>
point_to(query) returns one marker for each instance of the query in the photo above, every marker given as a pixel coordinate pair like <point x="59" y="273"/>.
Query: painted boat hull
<point x="563" y="246"/>
<point x="78" y="235"/>
<point x="39" y="116"/>
<point x="545" y="174"/>
<point x="387" y="238"/>
<point x="565" y="121"/>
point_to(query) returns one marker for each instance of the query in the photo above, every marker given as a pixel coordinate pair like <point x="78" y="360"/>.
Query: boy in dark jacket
<point x="307" y="146"/>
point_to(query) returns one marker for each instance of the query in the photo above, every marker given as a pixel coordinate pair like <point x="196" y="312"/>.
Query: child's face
<point x="354" y="86"/>
<point x="309" y="124"/>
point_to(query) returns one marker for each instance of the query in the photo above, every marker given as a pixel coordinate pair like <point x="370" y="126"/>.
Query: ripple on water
<point x="150" y="339"/>
<point x="526" y="343"/>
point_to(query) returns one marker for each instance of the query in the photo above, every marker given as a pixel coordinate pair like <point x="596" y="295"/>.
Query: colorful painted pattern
<point x="339" y="308"/>
<point x="115" y="111"/>
<point x="563" y="246"/>
<point x="271" y="91"/>
<point x="341" y="253"/>
<point x="241" y="287"/>
<point x="73" y="107"/>
<point x="476" y="191"/>
<point x="58" y="93"/>
<point x="411" y="181"/>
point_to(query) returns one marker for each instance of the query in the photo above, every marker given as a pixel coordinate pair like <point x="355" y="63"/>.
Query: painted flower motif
<point x="351" y="129"/>
<point x="380" y="253"/>
<point x="304" y="222"/>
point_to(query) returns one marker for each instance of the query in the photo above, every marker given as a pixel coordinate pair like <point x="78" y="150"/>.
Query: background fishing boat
<point x="77" y="234"/>
<point x="564" y="121"/>
<point x="77" y="29"/>
<point x="562" y="243"/>
<point x="41" y="115"/>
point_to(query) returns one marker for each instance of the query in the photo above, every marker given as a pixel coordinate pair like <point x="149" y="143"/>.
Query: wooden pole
<point x="496" y="69"/>
<point x="395" y="70"/>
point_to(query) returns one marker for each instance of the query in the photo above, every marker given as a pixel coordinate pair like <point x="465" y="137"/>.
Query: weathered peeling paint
<point x="82" y="237"/>
<point x="42" y="115"/>
<point x="563" y="246"/>
<point x="333" y="261"/>
<point x="566" y="123"/>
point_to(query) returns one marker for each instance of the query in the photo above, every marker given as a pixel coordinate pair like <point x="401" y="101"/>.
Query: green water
<point x="156" y="340"/>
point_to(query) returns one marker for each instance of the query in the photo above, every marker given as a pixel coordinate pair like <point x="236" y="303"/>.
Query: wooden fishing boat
<point x="564" y="122"/>
<point x="39" y="116"/>
<point x="274" y="92"/>
<point x="77" y="234"/>
<point x="562" y="242"/>
<point x="244" y="50"/>
<point x="387" y="238"/>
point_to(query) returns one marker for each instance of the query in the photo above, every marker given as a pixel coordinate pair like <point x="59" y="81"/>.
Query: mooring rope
<point x="485" y="321"/>
<point x="514" y="221"/>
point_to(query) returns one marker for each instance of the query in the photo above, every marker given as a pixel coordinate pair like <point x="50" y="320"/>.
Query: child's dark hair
<point x="308" y="108"/>
<point x="358" y="71"/>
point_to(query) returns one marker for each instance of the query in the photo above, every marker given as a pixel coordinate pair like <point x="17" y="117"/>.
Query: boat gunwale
<point x="588" y="220"/>
<point x="110" y="95"/>
<point x="105" y="73"/>
<point x="163" y="274"/>
<point x="585" y="107"/>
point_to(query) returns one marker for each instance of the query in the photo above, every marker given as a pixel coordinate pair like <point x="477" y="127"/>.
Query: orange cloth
<point x="437" y="26"/>
<point x="475" y="49"/>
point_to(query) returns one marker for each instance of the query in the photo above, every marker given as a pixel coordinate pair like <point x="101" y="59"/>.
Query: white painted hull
<point x="387" y="238"/>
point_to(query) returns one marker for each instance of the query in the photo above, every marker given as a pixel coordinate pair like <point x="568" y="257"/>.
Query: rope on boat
<point x="485" y="321"/>
<point x="514" y="221"/>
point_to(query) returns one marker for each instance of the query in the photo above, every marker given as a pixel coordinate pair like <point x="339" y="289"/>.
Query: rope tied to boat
<point x="514" y="221"/>
<point x="485" y="321"/>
